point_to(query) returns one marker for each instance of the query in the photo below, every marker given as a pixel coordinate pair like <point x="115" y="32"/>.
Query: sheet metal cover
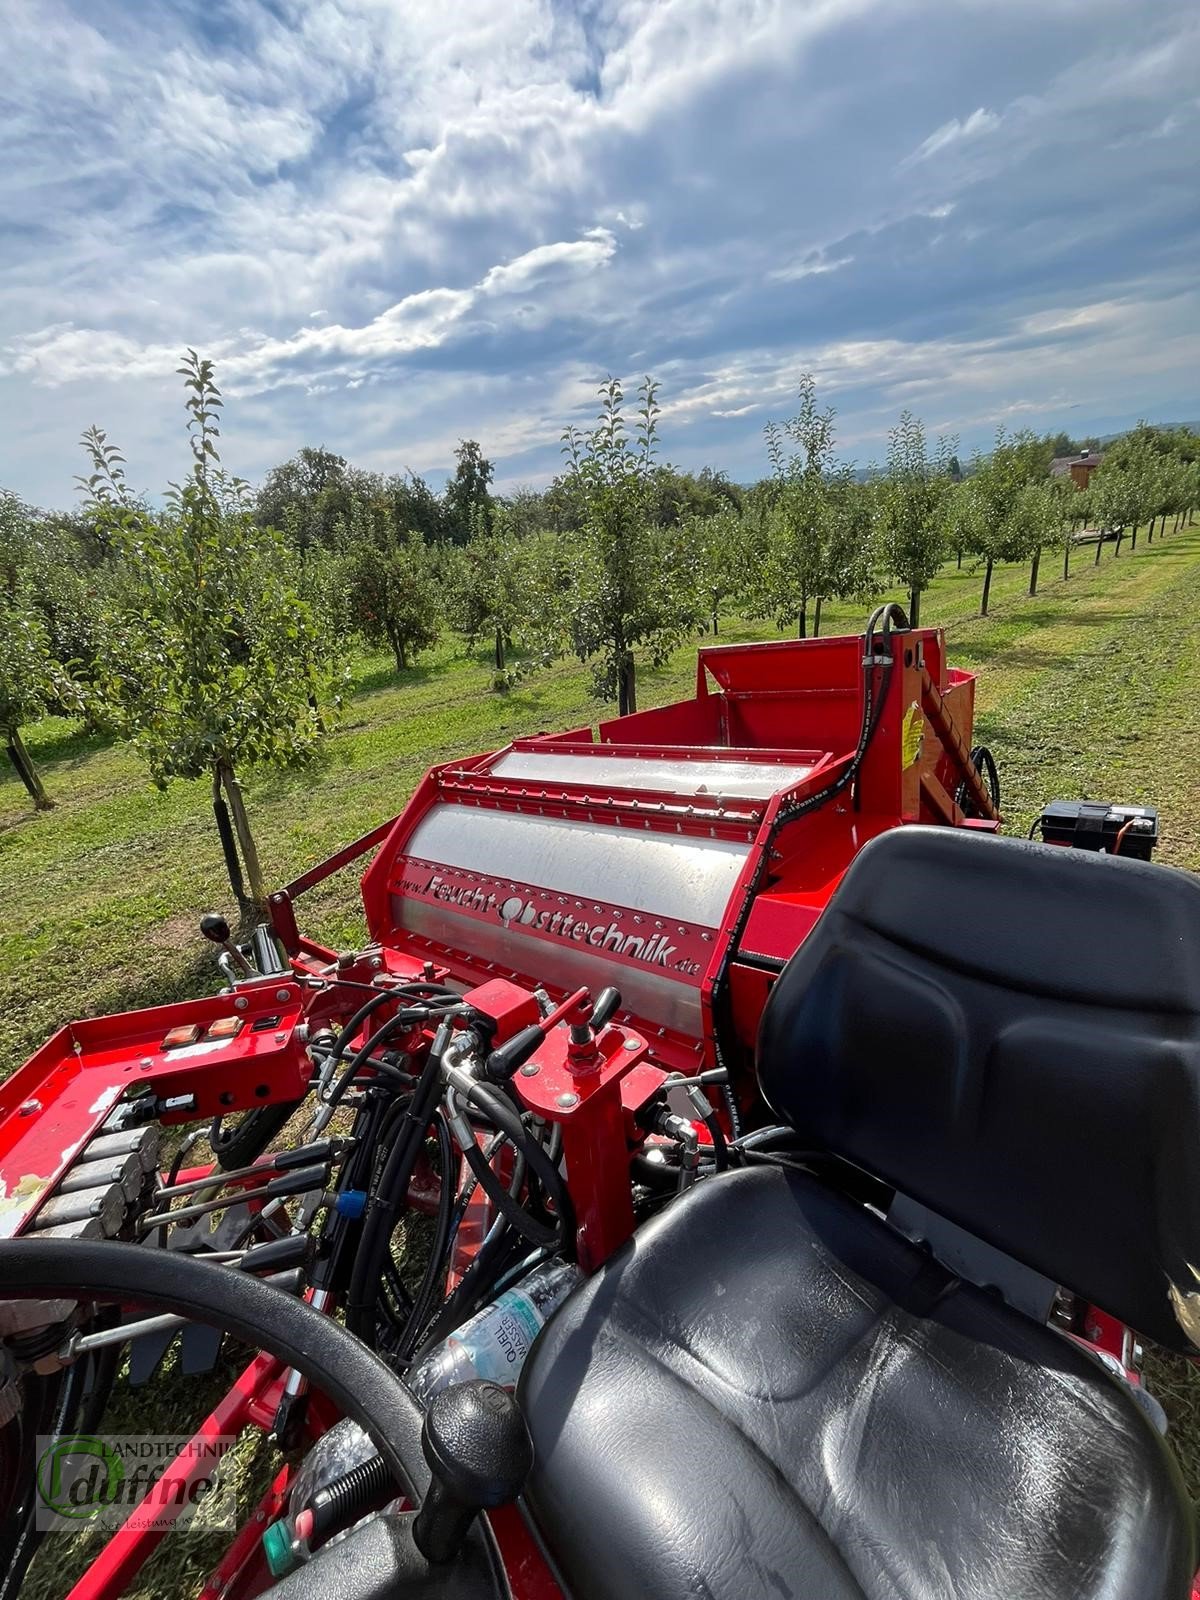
<point x="668" y="875"/>
<point x="751" y="780"/>
<point x="568" y="903"/>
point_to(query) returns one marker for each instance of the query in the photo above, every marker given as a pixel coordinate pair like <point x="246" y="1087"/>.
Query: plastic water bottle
<point x="495" y="1342"/>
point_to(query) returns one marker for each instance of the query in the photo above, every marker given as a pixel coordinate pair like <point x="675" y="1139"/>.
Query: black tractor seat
<point x="771" y="1394"/>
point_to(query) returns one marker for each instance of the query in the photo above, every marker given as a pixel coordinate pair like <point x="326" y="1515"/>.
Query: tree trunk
<point x="233" y="865"/>
<point x="241" y="822"/>
<point x="914" y="607"/>
<point x="626" y="685"/>
<point x="1099" y="545"/>
<point x="1133" y="544"/>
<point x="1120" y="536"/>
<point x="817" y="618"/>
<point x="960" y="556"/>
<point x="499" y="653"/>
<point x="802" y="623"/>
<point x="1033" y="572"/>
<point x="716" y="629"/>
<point x="987" y="588"/>
<point x="26" y="771"/>
<point x="1067" y="558"/>
<point x="1150" y="535"/>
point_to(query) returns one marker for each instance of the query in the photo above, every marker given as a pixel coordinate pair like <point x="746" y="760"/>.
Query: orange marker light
<point x="224" y="1028"/>
<point x="186" y="1034"/>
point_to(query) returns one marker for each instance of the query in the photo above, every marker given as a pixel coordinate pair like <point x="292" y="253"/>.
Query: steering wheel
<point x="470" y="1451"/>
<point x="352" y="1376"/>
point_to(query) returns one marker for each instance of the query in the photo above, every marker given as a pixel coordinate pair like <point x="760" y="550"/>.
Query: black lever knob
<point x="214" y="926"/>
<point x="480" y="1454"/>
<point x="513" y="1053"/>
<point x="608" y="1003"/>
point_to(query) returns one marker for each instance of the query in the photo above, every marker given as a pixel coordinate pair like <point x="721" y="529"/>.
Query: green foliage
<point x="911" y="506"/>
<point x="305" y="496"/>
<point x="209" y="658"/>
<point x="32" y="679"/>
<point x="718" y="548"/>
<point x="633" y="577"/>
<point x="15" y="518"/>
<point x="1008" y="509"/>
<point x="850" y="551"/>
<point x="29" y="675"/>
<point x="680" y="496"/>
<point x="509" y="588"/>
<point x="797" y="564"/>
<point x="468" y="493"/>
<point x="998" y="506"/>
<point x="391" y="582"/>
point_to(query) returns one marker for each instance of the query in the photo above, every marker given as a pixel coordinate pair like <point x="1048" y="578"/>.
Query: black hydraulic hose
<point x="340" y="1232"/>
<point x="507" y="1118"/>
<point x="188" y="1143"/>
<point x="239" y="1146"/>
<point x="731" y="1108"/>
<point x="538" y="1233"/>
<point x="366" y="1049"/>
<point x="355" y="1379"/>
<point x="418" y="1338"/>
<point x="473" y="1288"/>
<point x="719" y="1143"/>
<point x="389" y="1194"/>
<point x="406" y="1017"/>
<point x="387" y="1071"/>
<point x="765" y="1136"/>
<point x="445" y="1227"/>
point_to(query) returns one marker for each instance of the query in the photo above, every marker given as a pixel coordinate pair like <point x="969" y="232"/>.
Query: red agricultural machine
<point x="728" y="1169"/>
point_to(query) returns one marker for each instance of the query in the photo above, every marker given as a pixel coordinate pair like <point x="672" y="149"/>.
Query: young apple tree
<point x="634" y="587"/>
<point x="209" y="659"/>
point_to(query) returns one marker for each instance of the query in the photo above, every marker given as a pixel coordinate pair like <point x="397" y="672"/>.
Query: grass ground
<point x="1090" y="688"/>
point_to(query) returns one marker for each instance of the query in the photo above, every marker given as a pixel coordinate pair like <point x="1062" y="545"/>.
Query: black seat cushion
<point x="1009" y="1033"/>
<point x="770" y="1394"/>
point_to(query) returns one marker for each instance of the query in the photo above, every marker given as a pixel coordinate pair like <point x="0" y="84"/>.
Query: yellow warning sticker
<point x="912" y="736"/>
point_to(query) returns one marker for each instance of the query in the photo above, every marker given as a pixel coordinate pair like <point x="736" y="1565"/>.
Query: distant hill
<point x="1192" y="427"/>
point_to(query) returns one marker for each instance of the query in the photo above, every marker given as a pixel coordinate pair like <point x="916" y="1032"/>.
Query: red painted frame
<point x="785" y="703"/>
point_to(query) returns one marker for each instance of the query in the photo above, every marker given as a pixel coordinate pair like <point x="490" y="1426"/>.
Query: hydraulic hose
<point x="473" y="1289"/>
<point x="445" y="1228"/>
<point x="538" y="1233"/>
<point x="356" y="1380"/>
<point x="404" y="1018"/>
<point x="389" y="1195"/>
<point x="505" y="1116"/>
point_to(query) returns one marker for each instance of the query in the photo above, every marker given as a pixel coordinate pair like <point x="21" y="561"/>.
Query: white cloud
<point x="980" y="121"/>
<point x="516" y="277"/>
<point x="813" y="265"/>
<point x="493" y="204"/>
<point x="422" y="321"/>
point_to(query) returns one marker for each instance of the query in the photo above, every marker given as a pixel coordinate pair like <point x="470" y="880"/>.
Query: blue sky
<point x="395" y="223"/>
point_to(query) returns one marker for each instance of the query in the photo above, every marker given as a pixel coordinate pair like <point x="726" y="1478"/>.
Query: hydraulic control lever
<point x="215" y="928"/>
<point x="585" y="1017"/>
